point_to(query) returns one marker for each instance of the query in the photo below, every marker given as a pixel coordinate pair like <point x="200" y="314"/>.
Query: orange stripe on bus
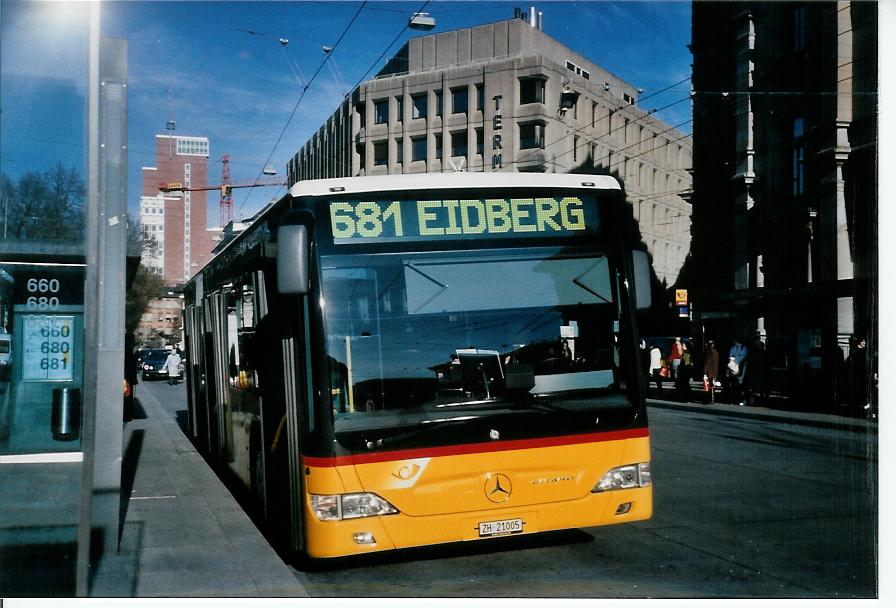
<point x="473" y="448"/>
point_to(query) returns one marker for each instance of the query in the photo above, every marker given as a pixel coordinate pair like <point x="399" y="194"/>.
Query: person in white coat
<point x="172" y="365"/>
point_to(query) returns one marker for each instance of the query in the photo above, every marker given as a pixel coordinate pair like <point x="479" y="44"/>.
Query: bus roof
<point x="428" y="181"/>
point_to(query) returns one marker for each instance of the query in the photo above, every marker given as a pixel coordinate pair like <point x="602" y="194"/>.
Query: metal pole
<point x="91" y="288"/>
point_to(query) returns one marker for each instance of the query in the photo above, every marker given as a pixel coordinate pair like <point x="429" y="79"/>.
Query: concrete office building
<point x="176" y="220"/>
<point x="488" y="98"/>
<point x="785" y="199"/>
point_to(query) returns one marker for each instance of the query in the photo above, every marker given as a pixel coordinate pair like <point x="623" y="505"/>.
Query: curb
<point x="828" y="421"/>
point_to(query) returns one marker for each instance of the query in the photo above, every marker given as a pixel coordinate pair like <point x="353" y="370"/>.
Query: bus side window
<point x="242" y="360"/>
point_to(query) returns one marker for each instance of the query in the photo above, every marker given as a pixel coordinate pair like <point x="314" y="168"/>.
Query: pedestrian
<point x="675" y="358"/>
<point x="656" y="366"/>
<point x="730" y="382"/>
<point x="172" y="366"/>
<point x="710" y="369"/>
<point x="734" y="372"/>
<point x="684" y="374"/>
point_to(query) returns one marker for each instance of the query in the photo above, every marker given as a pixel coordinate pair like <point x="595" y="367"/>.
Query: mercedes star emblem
<point x="498" y="487"/>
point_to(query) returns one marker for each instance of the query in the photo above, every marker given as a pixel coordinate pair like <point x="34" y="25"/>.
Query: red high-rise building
<point x="176" y="221"/>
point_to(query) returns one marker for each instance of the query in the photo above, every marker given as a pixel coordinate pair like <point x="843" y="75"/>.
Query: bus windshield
<point x="413" y="338"/>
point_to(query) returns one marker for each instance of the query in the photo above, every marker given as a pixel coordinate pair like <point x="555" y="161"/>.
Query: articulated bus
<point x="396" y="361"/>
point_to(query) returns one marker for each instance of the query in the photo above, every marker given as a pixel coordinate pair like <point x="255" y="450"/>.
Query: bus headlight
<point x="335" y="507"/>
<point x="624" y="477"/>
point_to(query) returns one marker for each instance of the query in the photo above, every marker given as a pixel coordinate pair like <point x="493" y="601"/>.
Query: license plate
<point x="500" y="528"/>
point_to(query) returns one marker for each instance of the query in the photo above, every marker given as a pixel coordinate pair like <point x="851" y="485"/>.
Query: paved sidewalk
<point x="184" y="534"/>
<point x="771" y="414"/>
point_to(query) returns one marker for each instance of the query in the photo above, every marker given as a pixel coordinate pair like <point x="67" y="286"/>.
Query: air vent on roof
<point x="421" y="21"/>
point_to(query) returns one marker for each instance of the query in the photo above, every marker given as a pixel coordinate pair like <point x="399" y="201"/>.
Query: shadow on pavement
<point x="128" y="473"/>
<point x="38" y="569"/>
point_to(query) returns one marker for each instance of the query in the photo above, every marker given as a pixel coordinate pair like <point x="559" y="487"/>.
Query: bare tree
<point x="46" y="205"/>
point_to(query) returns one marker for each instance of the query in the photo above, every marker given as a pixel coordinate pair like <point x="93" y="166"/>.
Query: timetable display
<point x="48" y="347"/>
<point x="354" y="221"/>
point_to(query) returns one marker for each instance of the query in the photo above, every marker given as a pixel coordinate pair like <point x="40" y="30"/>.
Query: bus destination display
<point x="412" y="220"/>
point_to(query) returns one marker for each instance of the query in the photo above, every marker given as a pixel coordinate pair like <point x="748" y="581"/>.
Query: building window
<point x="438" y="102"/>
<point x="438" y="145"/>
<point x="479" y="142"/>
<point x="362" y="154"/>
<point x="480" y="96"/>
<point x="399" y="108"/>
<point x="798" y="157"/>
<point x="532" y="90"/>
<point x="399" y="151"/>
<point x="381" y="111"/>
<point x="532" y="136"/>
<point x="362" y="115"/>
<point x="459" y="100"/>
<point x="419" y="106"/>
<point x="380" y="153"/>
<point x="578" y="70"/>
<point x="459" y="143"/>
<point x="192" y="146"/>
<point x="418" y="148"/>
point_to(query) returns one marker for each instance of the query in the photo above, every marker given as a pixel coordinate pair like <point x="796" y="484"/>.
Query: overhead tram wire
<point x="386" y="50"/>
<point x="290" y="61"/>
<point x="580" y="129"/>
<point x="644" y="98"/>
<point x="647" y="115"/>
<point x="389" y="46"/>
<point x="591" y="140"/>
<point x="299" y="102"/>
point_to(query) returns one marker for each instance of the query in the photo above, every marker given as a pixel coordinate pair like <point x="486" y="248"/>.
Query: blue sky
<point x="196" y="62"/>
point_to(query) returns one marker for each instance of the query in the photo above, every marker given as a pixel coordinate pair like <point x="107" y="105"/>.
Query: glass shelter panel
<point x="43" y="177"/>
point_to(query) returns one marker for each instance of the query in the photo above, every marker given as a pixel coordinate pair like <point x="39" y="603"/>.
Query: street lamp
<point x="568" y="99"/>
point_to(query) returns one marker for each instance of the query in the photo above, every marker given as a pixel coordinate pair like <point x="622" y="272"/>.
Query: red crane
<point x="226" y="187"/>
<point x="226" y="204"/>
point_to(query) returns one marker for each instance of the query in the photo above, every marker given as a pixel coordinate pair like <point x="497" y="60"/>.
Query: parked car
<point x="153" y="366"/>
<point x="141" y="354"/>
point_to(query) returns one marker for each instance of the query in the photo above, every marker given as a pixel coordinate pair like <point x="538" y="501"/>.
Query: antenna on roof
<point x="170" y="124"/>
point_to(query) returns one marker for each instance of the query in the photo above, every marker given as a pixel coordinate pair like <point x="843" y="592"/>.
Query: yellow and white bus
<point x="397" y="361"/>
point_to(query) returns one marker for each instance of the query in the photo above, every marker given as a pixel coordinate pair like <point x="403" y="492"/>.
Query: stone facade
<point x="488" y="98"/>
<point x="785" y="203"/>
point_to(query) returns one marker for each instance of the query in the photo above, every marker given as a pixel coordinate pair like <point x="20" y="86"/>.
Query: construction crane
<point x="226" y="204"/>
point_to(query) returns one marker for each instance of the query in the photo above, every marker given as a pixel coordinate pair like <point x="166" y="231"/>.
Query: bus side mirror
<point x="641" y="276"/>
<point x="293" y="252"/>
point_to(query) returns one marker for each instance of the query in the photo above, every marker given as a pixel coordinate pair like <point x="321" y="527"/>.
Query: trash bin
<point x="66" y="419"/>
